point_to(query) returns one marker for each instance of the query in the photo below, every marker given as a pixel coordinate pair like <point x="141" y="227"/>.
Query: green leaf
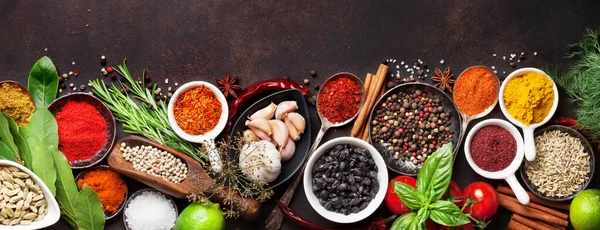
<point x="435" y="175"/>
<point x="66" y="189"/>
<point x="42" y="125"/>
<point x="43" y="165"/>
<point x="447" y="213"/>
<point x="419" y="221"/>
<point x="5" y="135"/>
<point x="407" y="194"/>
<point x="89" y="214"/>
<point x="6" y="154"/>
<point x="404" y="222"/>
<point x="23" y="148"/>
<point x="43" y="82"/>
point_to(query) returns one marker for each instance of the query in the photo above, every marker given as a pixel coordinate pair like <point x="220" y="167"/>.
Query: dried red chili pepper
<point x="566" y="121"/>
<point x="258" y="88"/>
<point x="299" y="220"/>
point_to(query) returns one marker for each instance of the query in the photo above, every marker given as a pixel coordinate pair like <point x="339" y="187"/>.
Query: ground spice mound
<point x="15" y="103"/>
<point x="529" y="97"/>
<point x="108" y="184"/>
<point x="475" y="90"/>
<point x="339" y="100"/>
<point x="493" y="148"/>
<point x="81" y="131"/>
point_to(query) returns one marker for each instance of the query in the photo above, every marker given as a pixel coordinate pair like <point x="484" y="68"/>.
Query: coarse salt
<point x="534" y="53"/>
<point x="442" y="61"/>
<point x="166" y="81"/>
<point x="150" y="211"/>
<point x="72" y="63"/>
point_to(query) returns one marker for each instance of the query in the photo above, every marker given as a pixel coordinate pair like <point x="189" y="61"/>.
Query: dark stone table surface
<point x="204" y="39"/>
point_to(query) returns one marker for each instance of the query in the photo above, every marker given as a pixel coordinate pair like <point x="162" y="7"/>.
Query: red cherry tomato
<point x="468" y="226"/>
<point x="454" y="193"/>
<point x="487" y="198"/>
<point x="430" y="225"/>
<point x="392" y="200"/>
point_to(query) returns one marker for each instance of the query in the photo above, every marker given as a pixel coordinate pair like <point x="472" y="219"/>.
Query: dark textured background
<point x="201" y="40"/>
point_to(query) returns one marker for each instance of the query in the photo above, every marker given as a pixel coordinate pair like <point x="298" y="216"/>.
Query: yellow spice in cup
<point x="529" y="97"/>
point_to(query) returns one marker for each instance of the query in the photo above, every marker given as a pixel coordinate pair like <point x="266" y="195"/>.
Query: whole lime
<point x="585" y="210"/>
<point x="201" y="217"/>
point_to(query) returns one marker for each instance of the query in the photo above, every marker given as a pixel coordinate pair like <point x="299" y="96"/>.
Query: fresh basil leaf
<point x="435" y="175"/>
<point x="403" y="222"/>
<point x="447" y="213"/>
<point x="43" y="82"/>
<point x="5" y="135"/>
<point x="6" y="154"/>
<point x="66" y="189"/>
<point x="419" y="221"/>
<point x="42" y="125"/>
<point x="22" y="147"/>
<point x="407" y="194"/>
<point x="43" y="165"/>
<point x="89" y="214"/>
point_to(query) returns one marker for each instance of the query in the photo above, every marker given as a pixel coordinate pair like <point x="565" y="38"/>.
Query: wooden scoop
<point x="197" y="180"/>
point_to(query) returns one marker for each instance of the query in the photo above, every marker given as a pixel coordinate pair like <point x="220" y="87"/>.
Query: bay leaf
<point x="41" y="125"/>
<point x="66" y="189"/>
<point x="89" y="214"/>
<point x="43" y="165"/>
<point x="43" y="82"/>
<point x="6" y="154"/>
<point x="5" y="135"/>
<point x="22" y="147"/>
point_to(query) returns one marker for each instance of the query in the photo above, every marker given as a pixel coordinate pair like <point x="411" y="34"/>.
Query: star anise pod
<point x="443" y="80"/>
<point x="229" y="85"/>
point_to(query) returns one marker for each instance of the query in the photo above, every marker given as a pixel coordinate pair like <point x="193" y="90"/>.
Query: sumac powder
<point x="493" y="148"/>
<point x="339" y="99"/>
<point x="81" y="131"/>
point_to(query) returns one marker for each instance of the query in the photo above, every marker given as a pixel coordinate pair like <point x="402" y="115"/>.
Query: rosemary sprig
<point x="582" y="82"/>
<point x="148" y="118"/>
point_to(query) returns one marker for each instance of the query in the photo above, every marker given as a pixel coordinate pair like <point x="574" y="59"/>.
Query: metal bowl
<point x="59" y="103"/>
<point x="588" y="148"/>
<point x="402" y="167"/>
<point x="139" y="192"/>
<point x="107" y="216"/>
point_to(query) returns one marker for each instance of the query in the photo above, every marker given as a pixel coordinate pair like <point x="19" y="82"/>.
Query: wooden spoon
<point x="197" y="180"/>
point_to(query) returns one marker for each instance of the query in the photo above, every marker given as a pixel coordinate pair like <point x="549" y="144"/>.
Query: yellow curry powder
<point x="16" y="103"/>
<point x="529" y="97"/>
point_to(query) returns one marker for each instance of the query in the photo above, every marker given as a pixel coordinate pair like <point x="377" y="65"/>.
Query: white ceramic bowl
<point x="210" y="135"/>
<point x="508" y="173"/>
<point x="53" y="213"/>
<point x="527" y="130"/>
<point x="382" y="179"/>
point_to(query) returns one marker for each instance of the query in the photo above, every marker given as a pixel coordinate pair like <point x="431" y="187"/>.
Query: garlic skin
<point x="284" y="108"/>
<point x="287" y="152"/>
<point x="297" y="120"/>
<point x="260" y="161"/>
<point x="280" y="132"/>
<point x="249" y="136"/>
<point x="264" y="113"/>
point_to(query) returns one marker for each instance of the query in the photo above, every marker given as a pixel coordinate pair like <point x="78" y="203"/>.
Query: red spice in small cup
<point x="339" y="99"/>
<point x="81" y="131"/>
<point x="493" y="148"/>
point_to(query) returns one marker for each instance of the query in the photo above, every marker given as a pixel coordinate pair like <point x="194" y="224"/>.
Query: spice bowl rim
<point x="515" y="163"/>
<point x="122" y="205"/>
<point x="138" y="192"/>
<point x="110" y="121"/>
<point x="588" y="147"/>
<point x="53" y="213"/>
<point x="214" y="132"/>
<point x="487" y="110"/>
<point x="358" y="82"/>
<point x="382" y="179"/>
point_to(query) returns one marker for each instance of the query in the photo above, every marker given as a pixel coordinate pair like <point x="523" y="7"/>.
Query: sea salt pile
<point x="150" y="210"/>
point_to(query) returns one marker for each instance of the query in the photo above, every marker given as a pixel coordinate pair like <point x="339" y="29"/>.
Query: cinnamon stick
<point x="362" y="115"/>
<point x="532" y="224"/>
<point x="513" y="205"/>
<point x="515" y="225"/>
<point x="508" y="191"/>
<point x="358" y="127"/>
<point x="368" y="84"/>
<point x="368" y="81"/>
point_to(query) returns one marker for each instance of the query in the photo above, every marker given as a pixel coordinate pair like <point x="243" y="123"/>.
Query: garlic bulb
<point x="264" y="113"/>
<point x="285" y="107"/>
<point x="260" y="161"/>
<point x="287" y="152"/>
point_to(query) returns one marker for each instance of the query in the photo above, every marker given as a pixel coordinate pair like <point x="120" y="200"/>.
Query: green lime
<point x="585" y="210"/>
<point x="201" y="217"/>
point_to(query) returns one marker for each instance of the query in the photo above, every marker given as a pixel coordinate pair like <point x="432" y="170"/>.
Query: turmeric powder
<point x="108" y="184"/>
<point x="529" y="97"/>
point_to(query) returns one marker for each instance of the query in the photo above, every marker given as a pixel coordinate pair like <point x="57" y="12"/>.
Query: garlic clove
<point x="249" y="136"/>
<point x="280" y="132"/>
<point x="260" y="134"/>
<point x="264" y="113"/>
<point x="294" y="134"/>
<point x="285" y="107"/>
<point x="260" y="124"/>
<point x="297" y="120"/>
<point x="287" y="152"/>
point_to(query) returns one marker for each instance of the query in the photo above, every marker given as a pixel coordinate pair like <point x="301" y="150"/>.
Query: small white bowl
<point x="53" y="213"/>
<point x="382" y="179"/>
<point x="527" y="130"/>
<point x="508" y="173"/>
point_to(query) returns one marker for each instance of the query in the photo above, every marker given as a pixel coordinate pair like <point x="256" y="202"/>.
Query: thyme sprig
<point x="143" y="116"/>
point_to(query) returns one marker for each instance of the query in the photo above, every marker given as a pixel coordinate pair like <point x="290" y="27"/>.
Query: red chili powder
<point x="81" y="131"/>
<point x="493" y="148"/>
<point x="339" y="99"/>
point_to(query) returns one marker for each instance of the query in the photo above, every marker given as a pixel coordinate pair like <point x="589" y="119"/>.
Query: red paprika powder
<point x="339" y="99"/>
<point x="81" y="131"/>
